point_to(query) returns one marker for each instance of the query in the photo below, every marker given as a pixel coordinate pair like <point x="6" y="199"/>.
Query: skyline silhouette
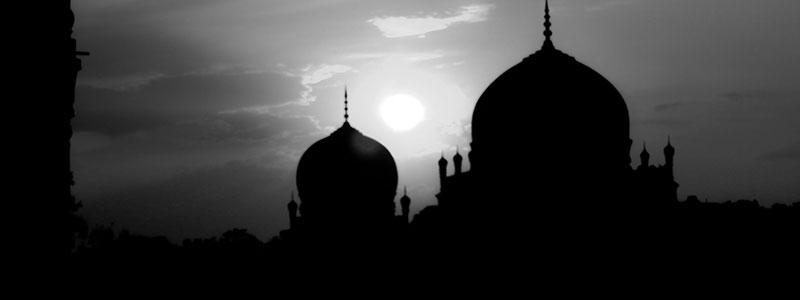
<point x="547" y="203"/>
<point x="552" y="178"/>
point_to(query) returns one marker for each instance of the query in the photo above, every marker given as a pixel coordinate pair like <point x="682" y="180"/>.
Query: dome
<point x="564" y="124"/>
<point x="550" y="95"/>
<point x="556" y="104"/>
<point x="347" y="176"/>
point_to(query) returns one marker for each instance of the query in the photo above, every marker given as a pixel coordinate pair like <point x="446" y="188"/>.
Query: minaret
<point x="442" y="170"/>
<point x="292" y="213"/>
<point x="457" y="159"/>
<point x="644" y="156"/>
<point x="405" y="203"/>
<point x="548" y="44"/>
<point x="669" y="154"/>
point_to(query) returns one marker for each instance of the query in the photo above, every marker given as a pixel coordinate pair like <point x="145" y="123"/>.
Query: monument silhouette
<point x="547" y="111"/>
<point x="550" y="185"/>
<point x="550" y="177"/>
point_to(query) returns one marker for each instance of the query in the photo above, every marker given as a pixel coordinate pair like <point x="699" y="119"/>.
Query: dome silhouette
<point x="565" y="124"/>
<point x="346" y="177"/>
<point x="550" y="98"/>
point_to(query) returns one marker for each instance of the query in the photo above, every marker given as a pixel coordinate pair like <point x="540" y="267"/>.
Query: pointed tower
<point x="442" y="169"/>
<point x="672" y="188"/>
<point x="457" y="159"/>
<point x="644" y="157"/>
<point x="292" y="213"/>
<point x="405" y="204"/>
<point x="669" y="154"/>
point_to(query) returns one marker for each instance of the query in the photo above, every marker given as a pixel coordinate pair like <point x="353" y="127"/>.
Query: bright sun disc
<point x="402" y="112"/>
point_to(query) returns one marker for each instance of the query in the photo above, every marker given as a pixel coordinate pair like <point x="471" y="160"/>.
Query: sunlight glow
<point x="402" y="112"/>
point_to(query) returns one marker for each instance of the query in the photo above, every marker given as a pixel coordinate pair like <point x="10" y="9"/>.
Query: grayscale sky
<point x="192" y="114"/>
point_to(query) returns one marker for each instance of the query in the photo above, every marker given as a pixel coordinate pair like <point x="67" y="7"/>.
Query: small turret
<point x="442" y="171"/>
<point x="405" y="204"/>
<point x="442" y="167"/>
<point x="644" y="156"/>
<point x="292" y="212"/>
<point x="457" y="159"/>
<point x="669" y="153"/>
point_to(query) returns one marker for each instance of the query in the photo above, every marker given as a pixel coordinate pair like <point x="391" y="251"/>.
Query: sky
<point x="191" y="115"/>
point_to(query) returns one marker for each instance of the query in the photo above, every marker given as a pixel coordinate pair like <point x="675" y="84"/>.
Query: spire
<point x="548" y="44"/>
<point x="457" y="161"/>
<point x="345" y="105"/>
<point x="644" y="156"/>
<point x="405" y="203"/>
<point x="669" y="151"/>
<point x="292" y="212"/>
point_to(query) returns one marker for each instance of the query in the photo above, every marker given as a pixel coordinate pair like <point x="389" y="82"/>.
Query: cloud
<point x="121" y="83"/>
<point x="310" y="76"/>
<point x="788" y="152"/>
<point x="252" y="126"/>
<point x="405" y="56"/>
<point x="667" y="106"/>
<point x="393" y="27"/>
<point x="170" y="100"/>
<point x="320" y="73"/>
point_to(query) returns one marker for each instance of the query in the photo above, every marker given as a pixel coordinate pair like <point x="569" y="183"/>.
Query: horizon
<point x="191" y="116"/>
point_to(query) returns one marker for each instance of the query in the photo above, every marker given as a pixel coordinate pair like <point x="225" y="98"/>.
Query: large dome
<point x="550" y="98"/>
<point x="346" y="176"/>
<point x="566" y="126"/>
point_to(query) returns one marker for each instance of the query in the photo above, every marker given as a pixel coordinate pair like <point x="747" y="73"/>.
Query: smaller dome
<point x="347" y="175"/>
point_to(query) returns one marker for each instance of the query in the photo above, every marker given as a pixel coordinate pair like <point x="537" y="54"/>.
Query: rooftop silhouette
<point x="550" y="205"/>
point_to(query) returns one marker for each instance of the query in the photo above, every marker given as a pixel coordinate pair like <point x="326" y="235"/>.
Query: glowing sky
<point x="192" y="115"/>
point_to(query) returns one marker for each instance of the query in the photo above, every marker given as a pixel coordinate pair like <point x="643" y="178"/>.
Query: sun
<point x="402" y="112"/>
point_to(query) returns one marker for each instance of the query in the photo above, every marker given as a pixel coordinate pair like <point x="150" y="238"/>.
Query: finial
<point x="345" y="105"/>
<point x="548" y="44"/>
<point x="644" y="146"/>
<point x="405" y="190"/>
<point x="292" y="195"/>
<point x="668" y="140"/>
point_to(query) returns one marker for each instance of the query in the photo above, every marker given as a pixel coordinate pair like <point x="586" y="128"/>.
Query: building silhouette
<point x="546" y="110"/>
<point x="347" y="184"/>
<point x="550" y="187"/>
<point x="550" y="157"/>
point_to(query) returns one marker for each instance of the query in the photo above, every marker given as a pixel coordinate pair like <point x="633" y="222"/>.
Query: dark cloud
<point x="251" y="126"/>
<point x="170" y="100"/>
<point x="789" y="152"/>
<point x="202" y="202"/>
<point x="667" y="106"/>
